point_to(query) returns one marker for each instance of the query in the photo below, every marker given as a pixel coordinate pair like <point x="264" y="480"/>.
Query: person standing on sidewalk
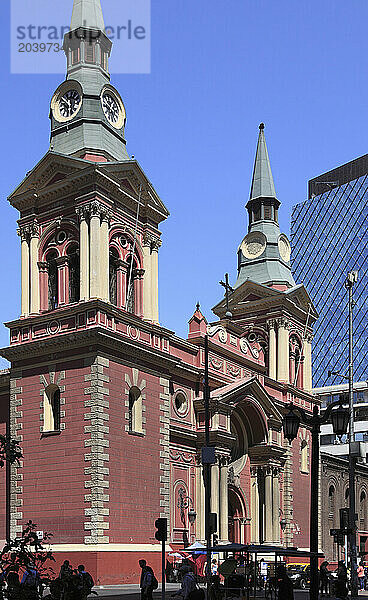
<point x="148" y="580"/>
<point x="361" y="575"/>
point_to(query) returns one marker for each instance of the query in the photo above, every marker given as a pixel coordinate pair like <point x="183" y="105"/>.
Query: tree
<point x="10" y="451"/>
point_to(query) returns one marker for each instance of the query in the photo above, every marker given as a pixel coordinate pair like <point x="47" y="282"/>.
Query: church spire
<point x="264" y="254"/>
<point x="262" y="182"/>
<point x="87" y="13"/>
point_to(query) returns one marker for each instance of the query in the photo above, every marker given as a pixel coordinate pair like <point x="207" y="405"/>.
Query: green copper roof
<point x="262" y="182"/>
<point x="87" y="13"/>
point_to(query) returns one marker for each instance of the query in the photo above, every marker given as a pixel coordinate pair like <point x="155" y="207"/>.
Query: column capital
<point x="156" y="245"/>
<point x="106" y="214"/>
<point x="138" y="273"/>
<point x="62" y="261"/>
<point x="23" y="232"/>
<point x="148" y="238"/>
<point x="34" y="230"/>
<point x="283" y="322"/>
<point x="82" y="212"/>
<point x="309" y="338"/>
<point x="43" y="267"/>
<point x="271" y="324"/>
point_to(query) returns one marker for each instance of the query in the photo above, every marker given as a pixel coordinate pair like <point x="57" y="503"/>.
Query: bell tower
<point x="88" y="214"/>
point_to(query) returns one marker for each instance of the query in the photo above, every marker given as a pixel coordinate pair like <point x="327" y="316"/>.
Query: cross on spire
<point x="228" y="289"/>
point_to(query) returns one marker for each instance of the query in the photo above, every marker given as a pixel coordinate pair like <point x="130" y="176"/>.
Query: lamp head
<point x="290" y="424"/>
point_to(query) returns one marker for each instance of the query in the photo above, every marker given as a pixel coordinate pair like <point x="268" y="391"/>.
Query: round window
<point x="61" y="237"/>
<point x="181" y="403"/>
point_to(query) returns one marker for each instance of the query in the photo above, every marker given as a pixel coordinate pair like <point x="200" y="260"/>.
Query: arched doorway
<point x="236" y="517"/>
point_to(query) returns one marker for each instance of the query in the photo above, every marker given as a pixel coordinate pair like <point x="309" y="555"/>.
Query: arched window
<point x="51" y="409"/>
<point x="113" y="276"/>
<point x="304" y="457"/>
<point x="53" y="287"/>
<point x="130" y="285"/>
<point x="135" y="410"/>
<point x="74" y="277"/>
<point x="362" y="510"/>
<point x="331" y="502"/>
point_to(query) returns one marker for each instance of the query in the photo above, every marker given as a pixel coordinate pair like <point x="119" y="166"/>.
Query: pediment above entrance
<point x="249" y="392"/>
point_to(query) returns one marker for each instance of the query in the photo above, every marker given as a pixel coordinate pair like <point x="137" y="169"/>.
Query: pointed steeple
<point x="262" y="181"/>
<point x="87" y="13"/>
<point x="264" y="254"/>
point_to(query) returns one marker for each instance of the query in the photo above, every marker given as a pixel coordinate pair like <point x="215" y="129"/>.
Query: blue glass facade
<point x="329" y="237"/>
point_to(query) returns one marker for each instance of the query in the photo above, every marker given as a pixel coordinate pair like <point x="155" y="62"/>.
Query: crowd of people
<point x="71" y="584"/>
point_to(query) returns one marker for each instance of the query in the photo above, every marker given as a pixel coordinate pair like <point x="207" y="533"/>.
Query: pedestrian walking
<point x="324" y="578"/>
<point x="85" y="582"/>
<point x="361" y="575"/>
<point x="189" y="589"/>
<point x="284" y="584"/>
<point x="31" y="582"/>
<point x="148" y="581"/>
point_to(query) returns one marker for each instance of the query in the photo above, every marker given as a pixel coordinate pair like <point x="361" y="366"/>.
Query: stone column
<point x="138" y="292"/>
<point x="24" y="236"/>
<point x="154" y="280"/>
<point x="268" y="506"/>
<point x="121" y="269"/>
<point x="82" y="212"/>
<point x="147" y="300"/>
<point x="94" y="249"/>
<point x="104" y="254"/>
<point x="307" y="365"/>
<point x="283" y="351"/>
<point x="272" y="355"/>
<point x="35" y="285"/>
<point x="215" y="491"/>
<point x="44" y="286"/>
<point x="224" y="504"/>
<point x="276" y="505"/>
<point x="254" y="509"/>
<point x="203" y="507"/>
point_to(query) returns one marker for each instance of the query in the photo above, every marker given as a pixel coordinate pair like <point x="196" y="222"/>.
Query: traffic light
<point x="344" y="518"/>
<point x="161" y="526"/>
<point x="213" y="522"/>
<point x="215" y="539"/>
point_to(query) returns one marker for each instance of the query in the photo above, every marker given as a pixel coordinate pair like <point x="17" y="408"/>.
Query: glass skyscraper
<point x="329" y="237"/>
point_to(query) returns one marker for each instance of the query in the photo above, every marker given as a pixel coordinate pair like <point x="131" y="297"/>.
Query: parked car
<point x="299" y="574"/>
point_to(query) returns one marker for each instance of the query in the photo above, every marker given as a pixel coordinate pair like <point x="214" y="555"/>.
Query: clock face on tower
<point x="69" y="103"/>
<point x="110" y="108"/>
<point x="113" y="108"/>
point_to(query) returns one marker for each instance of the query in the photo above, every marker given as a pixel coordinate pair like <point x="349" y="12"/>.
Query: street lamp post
<point x="339" y="418"/>
<point x="349" y="283"/>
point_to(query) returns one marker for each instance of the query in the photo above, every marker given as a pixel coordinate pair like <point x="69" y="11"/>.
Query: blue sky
<point x="218" y="69"/>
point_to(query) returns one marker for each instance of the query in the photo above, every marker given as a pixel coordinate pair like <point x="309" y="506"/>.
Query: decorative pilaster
<point x="138" y="292"/>
<point x="82" y="213"/>
<point x="224" y="503"/>
<point x="276" y="504"/>
<point x="272" y="356"/>
<point x="33" y="250"/>
<point x="268" y="506"/>
<point x="23" y="233"/>
<point x="43" y="273"/>
<point x="154" y="279"/>
<point x="215" y="489"/>
<point x="94" y="253"/>
<point x="283" y="350"/>
<point x="254" y="506"/>
<point x="307" y="365"/>
<point x="104" y="253"/>
<point x="121" y="271"/>
<point x="147" y="301"/>
<point x="63" y="279"/>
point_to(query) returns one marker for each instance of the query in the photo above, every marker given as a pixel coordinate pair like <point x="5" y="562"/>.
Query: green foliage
<point x="18" y="553"/>
<point x="10" y="451"/>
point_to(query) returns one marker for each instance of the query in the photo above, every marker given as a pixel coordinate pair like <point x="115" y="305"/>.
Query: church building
<point x="106" y="402"/>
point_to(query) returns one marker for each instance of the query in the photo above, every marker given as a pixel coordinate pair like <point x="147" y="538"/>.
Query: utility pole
<point x="351" y="279"/>
<point x="207" y="464"/>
